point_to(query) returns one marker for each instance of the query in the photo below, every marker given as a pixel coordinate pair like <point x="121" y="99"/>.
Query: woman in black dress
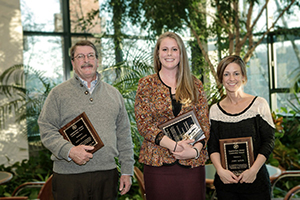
<point x="241" y="115"/>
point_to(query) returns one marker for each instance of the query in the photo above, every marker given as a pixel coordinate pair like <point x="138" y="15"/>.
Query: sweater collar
<point x="93" y="83"/>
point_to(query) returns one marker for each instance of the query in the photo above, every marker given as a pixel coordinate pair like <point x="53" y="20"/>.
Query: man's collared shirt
<point x="93" y="84"/>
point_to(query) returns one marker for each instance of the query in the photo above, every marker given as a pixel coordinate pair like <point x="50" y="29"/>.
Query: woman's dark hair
<point x="231" y="59"/>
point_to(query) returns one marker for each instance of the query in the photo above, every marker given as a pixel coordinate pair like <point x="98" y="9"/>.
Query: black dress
<point x="255" y="121"/>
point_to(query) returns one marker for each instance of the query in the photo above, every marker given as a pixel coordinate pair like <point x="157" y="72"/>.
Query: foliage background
<point x="131" y="63"/>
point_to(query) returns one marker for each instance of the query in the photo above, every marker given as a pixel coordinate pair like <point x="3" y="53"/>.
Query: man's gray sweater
<point x="106" y="110"/>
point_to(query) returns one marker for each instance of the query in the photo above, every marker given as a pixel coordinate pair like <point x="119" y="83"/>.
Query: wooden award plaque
<point x="236" y="154"/>
<point x="80" y="131"/>
<point x="185" y="126"/>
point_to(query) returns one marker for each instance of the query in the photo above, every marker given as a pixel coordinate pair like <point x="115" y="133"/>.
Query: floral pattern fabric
<point x="153" y="106"/>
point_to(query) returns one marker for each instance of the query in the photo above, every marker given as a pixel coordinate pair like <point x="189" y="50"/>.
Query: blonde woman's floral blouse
<point x="153" y="106"/>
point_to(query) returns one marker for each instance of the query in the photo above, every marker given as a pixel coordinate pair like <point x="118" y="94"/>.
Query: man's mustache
<point x="86" y="65"/>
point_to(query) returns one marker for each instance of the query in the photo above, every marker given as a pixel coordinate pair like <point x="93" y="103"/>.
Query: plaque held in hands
<point x="236" y="154"/>
<point x="185" y="126"/>
<point x="80" y="131"/>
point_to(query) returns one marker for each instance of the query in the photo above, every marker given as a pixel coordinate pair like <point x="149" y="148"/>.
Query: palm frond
<point x="295" y="105"/>
<point x="17" y="71"/>
<point x="24" y="102"/>
<point x="12" y="81"/>
<point x="136" y="65"/>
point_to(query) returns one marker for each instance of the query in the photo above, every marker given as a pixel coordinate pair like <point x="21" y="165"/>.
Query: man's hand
<point x="80" y="155"/>
<point x="125" y="184"/>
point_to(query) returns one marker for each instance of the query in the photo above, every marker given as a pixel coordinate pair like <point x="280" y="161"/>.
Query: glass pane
<point x="84" y="16"/>
<point x="140" y="49"/>
<point x="287" y="61"/>
<point x="134" y="52"/>
<point x="45" y="55"/>
<point x="40" y="15"/>
<point x="291" y="18"/>
<point x="43" y="60"/>
<point x="261" y="24"/>
<point x="285" y="100"/>
<point x="107" y="53"/>
<point x="257" y="73"/>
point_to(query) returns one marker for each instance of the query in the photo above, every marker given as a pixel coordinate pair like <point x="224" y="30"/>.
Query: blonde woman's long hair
<point x="185" y="88"/>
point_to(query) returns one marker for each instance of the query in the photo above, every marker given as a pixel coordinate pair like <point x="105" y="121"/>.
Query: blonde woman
<point x="172" y="170"/>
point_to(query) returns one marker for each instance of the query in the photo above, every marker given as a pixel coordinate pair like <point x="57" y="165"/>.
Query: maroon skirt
<point x="174" y="182"/>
